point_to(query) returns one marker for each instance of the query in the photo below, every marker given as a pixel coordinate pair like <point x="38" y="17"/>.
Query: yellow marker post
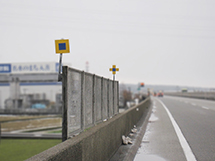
<point x="61" y="46"/>
<point x="114" y="69"/>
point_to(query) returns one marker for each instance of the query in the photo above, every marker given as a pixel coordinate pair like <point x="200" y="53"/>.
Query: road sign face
<point x="62" y="46"/>
<point x="114" y="69"/>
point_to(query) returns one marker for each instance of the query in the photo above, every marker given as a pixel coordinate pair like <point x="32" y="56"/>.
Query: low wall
<point x="98" y="143"/>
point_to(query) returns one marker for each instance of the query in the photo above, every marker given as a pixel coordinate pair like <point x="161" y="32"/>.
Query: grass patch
<point x="31" y="124"/>
<point x="87" y="129"/>
<point x="44" y="129"/>
<point x="21" y="149"/>
<point x="23" y="117"/>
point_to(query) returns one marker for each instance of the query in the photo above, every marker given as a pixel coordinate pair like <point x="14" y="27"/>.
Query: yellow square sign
<point x="62" y="46"/>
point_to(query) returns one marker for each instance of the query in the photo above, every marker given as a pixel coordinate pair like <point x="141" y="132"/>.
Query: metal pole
<point x="16" y="94"/>
<point x="59" y="71"/>
<point x="0" y="100"/>
<point x="114" y="77"/>
<point x="65" y="104"/>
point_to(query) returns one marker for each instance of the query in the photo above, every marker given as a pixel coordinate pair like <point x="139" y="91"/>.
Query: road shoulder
<point x="160" y="138"/>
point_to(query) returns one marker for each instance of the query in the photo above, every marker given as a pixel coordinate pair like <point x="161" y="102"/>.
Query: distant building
<point x="184" y="90"/>
<point x="25" y="84"/>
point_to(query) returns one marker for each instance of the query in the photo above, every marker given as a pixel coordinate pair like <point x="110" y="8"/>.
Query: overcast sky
<point x="153" y="41"/>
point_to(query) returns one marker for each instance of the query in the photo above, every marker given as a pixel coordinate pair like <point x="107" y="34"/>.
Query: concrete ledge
<point x="99" y="142"/>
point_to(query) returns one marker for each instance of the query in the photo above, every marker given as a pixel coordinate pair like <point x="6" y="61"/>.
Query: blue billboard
<point x="5" y="68"/>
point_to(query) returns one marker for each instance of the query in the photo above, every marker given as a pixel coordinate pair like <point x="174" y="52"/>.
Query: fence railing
<point x="87" y="100"/>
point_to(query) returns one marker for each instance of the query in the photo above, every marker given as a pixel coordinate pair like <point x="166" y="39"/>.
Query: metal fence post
<point x="113" y="95"/>
<point x="64" y="104"/>
<point x="102" y="106"/>
<point x="93" y="97"/>
<point x="108" y="101"/>
<point x="82" y="101"/>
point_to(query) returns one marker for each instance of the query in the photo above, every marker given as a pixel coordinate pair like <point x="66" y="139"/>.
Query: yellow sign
<point x="62" y="46"/>
<point x="114" y="69"/>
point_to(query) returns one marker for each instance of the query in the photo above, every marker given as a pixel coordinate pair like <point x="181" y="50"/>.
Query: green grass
<point x="21" y="149"/>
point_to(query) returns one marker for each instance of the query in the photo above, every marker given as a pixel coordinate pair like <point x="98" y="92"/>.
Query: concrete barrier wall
<point x="99" y="142"/>
<point x="198" y="95"/>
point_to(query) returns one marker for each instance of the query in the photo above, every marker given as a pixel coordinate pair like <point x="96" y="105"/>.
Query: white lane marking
<point x="185" y="146"/>
<point x="205" y="107"/>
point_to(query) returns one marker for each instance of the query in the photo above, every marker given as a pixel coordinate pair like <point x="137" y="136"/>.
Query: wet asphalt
<point x="196" y="120"/>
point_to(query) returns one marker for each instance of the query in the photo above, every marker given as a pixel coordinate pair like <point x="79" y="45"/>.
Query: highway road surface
<point x="179" y="129"/>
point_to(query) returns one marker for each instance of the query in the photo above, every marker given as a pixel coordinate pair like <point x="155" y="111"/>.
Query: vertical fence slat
<point x="116" y="97"/>
<point x="83" y="113"/>
<point x="98" y="99"/>
<point x="74" y="101"/>
<point x="88" y="99"/>
<point x="110" y="98"/>
<point x="104" y="99"/>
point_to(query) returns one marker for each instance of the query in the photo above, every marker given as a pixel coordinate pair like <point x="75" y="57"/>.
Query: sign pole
<point x="61" y="46"/>
<point x="59" y="71"/>
<point x="113" y="77"/>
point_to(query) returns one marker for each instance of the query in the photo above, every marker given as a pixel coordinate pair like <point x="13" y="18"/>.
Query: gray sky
<point x="157" y="42"/>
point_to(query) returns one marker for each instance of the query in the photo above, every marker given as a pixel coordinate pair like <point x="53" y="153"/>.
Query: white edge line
<point x="185" y="146"/>
<point x="205" y="107"/>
